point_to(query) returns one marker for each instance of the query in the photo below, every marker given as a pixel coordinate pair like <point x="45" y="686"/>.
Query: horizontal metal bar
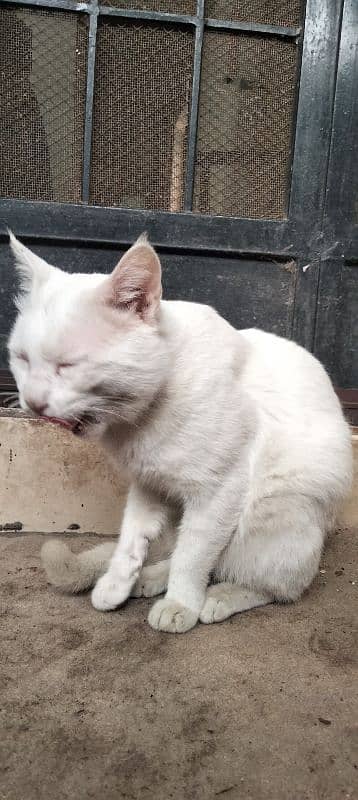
<point x="150" y="16"/>
<point x="62" y="5"/>
<point x="253" y="27"/>
<point x="160" y="16"/>
<point x="84" y="224"/>
<point x="7" y="382"/>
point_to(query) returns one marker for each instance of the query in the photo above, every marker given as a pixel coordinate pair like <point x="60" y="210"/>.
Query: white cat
<point x="236" y="438"/>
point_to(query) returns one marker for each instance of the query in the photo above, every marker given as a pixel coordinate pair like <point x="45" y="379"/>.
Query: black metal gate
<point x="227" y="131"/>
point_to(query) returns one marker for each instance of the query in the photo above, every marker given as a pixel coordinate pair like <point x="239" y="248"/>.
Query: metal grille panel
<point x="182" y="7"/>
<point x="245" y="121"/>
<point x="42" y="103"/>
<point x="141" y="107"/>
<point x="267" y="12"/>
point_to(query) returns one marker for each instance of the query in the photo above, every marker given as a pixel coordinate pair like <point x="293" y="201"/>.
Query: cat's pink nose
<point x="38" y="408"/>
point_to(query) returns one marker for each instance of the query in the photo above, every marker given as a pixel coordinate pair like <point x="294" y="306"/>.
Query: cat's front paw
<point x="167" y="615"/>
<point x="109" y="593"/>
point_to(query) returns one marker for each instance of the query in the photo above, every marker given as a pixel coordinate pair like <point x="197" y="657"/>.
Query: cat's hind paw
<point x="225" y="599"/>
<point x="216" y="608"/>
<point x="167" y="615"/>
<point x="152" y="581"/>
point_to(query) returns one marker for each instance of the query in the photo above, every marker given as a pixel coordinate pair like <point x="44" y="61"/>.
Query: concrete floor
<point x="100" y="706"/>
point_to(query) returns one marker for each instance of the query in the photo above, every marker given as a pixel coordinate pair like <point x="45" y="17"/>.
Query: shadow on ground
<point x="262" y="706"/>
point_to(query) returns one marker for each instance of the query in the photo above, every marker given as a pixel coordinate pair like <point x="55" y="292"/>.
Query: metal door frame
<point x="306" y="235"/>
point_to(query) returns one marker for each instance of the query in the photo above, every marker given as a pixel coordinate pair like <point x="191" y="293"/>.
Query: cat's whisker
<point x="116" y="398"/>
<point x="14" y="404"/>
<point x="117" y="416"/>
<point x="8" y="398"/>
<point x="112" y="413"/>
<point x="113" y="397"/>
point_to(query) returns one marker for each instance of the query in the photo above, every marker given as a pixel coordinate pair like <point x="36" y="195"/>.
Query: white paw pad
<point x="167" y="615"/>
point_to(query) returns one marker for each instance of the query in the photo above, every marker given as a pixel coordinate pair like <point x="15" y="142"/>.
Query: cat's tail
<point x="75" y="573"/>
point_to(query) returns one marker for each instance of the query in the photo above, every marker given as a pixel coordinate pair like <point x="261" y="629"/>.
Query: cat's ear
<point x="135" y="283"/>
<point x="33" y="270"/>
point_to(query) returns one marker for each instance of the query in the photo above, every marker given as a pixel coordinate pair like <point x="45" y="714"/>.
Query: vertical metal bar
<point x="342" y="178"/>
<point x="193" y="123"/>
<point x="311" y="153"/>
<point x="336" y="330"/>
<point x="92" y="38"/>
<point x="314" y="113"/>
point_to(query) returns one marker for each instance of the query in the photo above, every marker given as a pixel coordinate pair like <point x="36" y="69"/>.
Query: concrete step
<point x="52" y="482"/>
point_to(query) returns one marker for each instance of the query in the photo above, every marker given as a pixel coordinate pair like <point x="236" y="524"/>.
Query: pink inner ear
<point x="136" y="301"/>
<point x="135" y="283"/>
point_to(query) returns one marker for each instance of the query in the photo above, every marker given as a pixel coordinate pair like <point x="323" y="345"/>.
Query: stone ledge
<point x="52" y="482"/>
<point x="350" y="511"/>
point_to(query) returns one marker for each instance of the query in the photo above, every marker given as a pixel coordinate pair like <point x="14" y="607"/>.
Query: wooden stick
<point x="177" y="179"/>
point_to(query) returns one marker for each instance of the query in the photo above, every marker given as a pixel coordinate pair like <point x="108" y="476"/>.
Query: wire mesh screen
<point x="245" y="121"/>
<point x="141" y="107"/>
<point x="179" y="7"/>
<point x="42" y="101"/>
<point x="268" y="12"/>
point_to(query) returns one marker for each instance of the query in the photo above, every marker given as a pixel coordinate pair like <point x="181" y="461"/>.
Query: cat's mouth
<point x="79" y="426"/>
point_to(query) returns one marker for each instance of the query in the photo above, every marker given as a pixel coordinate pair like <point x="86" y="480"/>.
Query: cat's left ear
<point x="135" y="283"/>
<point x="33" y="270"/>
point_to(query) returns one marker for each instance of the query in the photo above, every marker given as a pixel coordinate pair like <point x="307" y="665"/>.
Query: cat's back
<point x="279" y="368"/>
<point x="301" y="419"/>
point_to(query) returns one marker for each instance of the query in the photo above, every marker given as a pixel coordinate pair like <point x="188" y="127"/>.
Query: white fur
<point x="238" y="436"/>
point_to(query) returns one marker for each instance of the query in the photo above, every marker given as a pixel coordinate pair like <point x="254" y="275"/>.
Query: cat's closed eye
<point x="22" y="357"/>
<point x="63" y="365"/>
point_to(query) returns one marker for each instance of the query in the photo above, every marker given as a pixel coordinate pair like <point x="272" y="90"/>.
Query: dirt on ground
<point x="263" y="706"/>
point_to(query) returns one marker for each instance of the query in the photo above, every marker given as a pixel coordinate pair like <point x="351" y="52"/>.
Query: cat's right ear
<point x="135" y="284"/>
<point x="32" y="269"/>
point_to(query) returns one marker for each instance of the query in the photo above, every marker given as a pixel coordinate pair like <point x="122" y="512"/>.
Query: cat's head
<point x="86" y="350"/>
